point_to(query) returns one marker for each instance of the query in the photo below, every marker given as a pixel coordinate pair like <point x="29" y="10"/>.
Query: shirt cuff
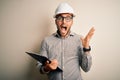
<point x="42" y="69"/>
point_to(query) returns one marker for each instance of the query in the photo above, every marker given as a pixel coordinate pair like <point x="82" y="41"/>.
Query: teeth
<point x="64" y="27"/>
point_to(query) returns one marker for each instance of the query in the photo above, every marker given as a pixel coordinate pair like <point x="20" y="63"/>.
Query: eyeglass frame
<point x="67" y="19"/>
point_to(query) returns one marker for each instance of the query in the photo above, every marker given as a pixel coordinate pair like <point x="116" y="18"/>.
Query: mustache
<point x="63" y="25"/>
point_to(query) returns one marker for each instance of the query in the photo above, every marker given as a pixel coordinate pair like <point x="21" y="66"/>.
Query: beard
<point x="63" y="30"/>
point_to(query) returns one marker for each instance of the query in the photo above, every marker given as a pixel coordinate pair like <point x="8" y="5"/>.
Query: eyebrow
<point x="63" y="16"/>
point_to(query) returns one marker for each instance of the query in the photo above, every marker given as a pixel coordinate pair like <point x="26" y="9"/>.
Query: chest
<point x="64" y="47"/>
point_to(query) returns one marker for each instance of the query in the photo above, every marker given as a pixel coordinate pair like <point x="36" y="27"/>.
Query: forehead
<point x="65" y="14"/>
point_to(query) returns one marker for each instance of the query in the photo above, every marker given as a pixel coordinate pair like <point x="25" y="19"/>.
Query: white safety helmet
<point x="64" y="8"/>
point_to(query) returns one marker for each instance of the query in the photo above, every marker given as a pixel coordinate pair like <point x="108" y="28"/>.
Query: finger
<point x="89" y="35"/>
<point x="91" y="30"/>
<point x="54" y="62"/>
<point x="82" y="39"/>
<point x="47" y="64"/>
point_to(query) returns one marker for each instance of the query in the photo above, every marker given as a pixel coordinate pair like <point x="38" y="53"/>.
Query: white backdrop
<point x="24" y="24"/>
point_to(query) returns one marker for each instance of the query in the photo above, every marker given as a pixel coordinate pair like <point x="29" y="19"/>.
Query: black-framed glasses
<point x="67" y="19"/>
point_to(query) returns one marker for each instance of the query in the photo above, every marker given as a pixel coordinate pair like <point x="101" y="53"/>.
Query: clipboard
<point x="41" y="59"/>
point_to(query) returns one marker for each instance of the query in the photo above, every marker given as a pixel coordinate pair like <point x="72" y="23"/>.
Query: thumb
<point x="82" y="38"/>
<point x="47" y="62"/>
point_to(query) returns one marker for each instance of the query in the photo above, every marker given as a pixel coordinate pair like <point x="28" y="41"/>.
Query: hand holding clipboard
<point x="41" y="59"/>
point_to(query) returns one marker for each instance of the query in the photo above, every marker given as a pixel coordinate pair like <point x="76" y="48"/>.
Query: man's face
<point x="64" y="23"/>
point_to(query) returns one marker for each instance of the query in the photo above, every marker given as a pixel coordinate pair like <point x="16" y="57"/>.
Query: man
<point x="66" y="50"/>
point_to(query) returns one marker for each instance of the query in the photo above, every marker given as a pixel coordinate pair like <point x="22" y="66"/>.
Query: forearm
<point x="86" y="61"/>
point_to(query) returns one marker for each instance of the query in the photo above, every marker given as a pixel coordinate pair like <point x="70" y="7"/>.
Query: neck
<point x="64" y="35"/>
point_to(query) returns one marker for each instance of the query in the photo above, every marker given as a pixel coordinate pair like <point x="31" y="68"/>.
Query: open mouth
<point x="63" y="30"/>
<point x="64" y="27"/>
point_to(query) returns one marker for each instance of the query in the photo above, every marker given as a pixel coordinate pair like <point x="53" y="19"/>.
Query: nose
<point x="63" y="20"/>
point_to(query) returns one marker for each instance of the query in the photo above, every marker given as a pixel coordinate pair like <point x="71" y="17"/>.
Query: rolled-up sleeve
<point x="85" y="58"/>
<point x="86" y="61"/>
<point x="43" y="52"/>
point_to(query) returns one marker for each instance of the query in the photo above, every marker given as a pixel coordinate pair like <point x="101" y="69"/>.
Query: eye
<point x="59" y="18"/>
<point x="68" y="18"/>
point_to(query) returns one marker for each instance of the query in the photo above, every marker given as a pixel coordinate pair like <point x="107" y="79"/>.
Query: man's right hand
<point x="51" y="66"/>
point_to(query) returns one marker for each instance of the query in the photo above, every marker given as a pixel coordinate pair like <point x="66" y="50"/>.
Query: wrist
<point x="86" y="49"/>
<point x="45" y="70"/>
<point x="86" y="45"/>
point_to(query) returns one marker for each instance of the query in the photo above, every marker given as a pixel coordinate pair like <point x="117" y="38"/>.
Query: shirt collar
<point x="70" y="34"/>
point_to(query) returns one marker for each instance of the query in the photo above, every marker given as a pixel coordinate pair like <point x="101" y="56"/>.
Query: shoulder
<point x="49" y="38"/>
<point x="77" y="35"/>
